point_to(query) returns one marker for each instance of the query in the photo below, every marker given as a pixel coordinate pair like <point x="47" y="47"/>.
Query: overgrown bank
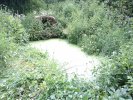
<point x="92" y="26"/>
<point x="28" y="74"/>
<point x="100" y="30"/>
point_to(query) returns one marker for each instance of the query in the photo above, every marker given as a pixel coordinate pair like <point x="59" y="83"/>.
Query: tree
<point x="124" y="6"/>
<point x="23" y="6"/>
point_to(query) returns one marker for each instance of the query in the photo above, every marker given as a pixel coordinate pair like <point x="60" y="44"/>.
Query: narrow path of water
<point x="69" y="57"/>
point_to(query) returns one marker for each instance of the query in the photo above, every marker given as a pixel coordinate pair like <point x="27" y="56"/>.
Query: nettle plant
<point x="12" y="32"/>
<point x="13" y="28"/>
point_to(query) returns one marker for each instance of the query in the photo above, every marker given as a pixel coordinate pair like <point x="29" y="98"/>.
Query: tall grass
<point x="11" y="34"/>
<point x="23" y="6"/>
<point x="92" y="26"/>
<point x="99" y="30"/>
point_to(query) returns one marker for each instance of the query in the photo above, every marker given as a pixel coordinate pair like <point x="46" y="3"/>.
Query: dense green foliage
<point x="40" y="31"/>
<point x="12" y="28"/>
<point x="33" y="75"/>
<point x="117" y="75"/>
<point x="93" y="26"/>
<point x="23" y="6"/>
<point x="99" y="30"/>
<point x="124" y="6"/>
<point x="11" y="32"/>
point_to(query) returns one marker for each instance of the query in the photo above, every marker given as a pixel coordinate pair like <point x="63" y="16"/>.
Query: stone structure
<point x="46" y="18"/>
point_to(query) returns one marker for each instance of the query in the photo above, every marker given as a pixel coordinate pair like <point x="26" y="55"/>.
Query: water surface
<point x="70" y="57"/>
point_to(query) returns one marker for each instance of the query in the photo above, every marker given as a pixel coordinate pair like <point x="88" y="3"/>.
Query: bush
<point x="22" y="84"/>
<point x="117" y="74"/>
<point x="33" y="27"/>
<point x="124" y="6"/>
<point x="11" y="32"/>
<point x="39" y="31"/>
<point x="97" y="29"/>
<point x="12" y="28"/>
<point x="66" y="13"/>
<point x="23" y="6"/>
<point x="85" y="23"/>
<point x="33" y="75"/>
<point x="75" y="31"/>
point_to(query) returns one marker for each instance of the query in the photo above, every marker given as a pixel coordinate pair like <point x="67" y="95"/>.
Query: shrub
<point x="124" y="6"/>
<point x="66" y="13"/>
<point x="86" y="23"/>
<point x="33" y="75"/>
<point x="76" y="30"/>
<point x="39" y="31"/>
<point x="33" y="27"/>
<point x="11" y="32"/>
<point x="116" y="75"/>
<point x="97" y="29"/>
<point x="12" y="27"/>
<point x="23" y="6"/>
